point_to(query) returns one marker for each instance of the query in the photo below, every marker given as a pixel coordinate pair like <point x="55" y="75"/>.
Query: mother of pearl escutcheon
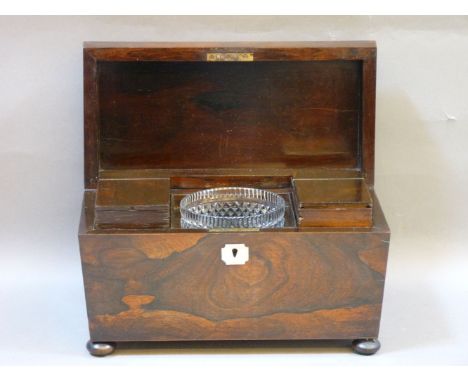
<point x="235" y="254"/>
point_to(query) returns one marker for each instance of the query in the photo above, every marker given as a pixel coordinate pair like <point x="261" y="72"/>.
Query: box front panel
<point x="176" y="286"/>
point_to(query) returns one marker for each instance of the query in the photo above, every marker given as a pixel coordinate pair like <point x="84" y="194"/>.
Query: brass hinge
<point x="239" y="56"/>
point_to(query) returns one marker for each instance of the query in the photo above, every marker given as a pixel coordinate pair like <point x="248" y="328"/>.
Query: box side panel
<point x="295" y="285"/>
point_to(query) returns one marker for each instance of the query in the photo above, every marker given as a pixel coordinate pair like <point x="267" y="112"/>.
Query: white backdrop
<point x="421" y="178"/>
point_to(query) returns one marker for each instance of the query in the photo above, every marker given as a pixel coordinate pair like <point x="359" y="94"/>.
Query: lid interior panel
<point x="254" y="115"/>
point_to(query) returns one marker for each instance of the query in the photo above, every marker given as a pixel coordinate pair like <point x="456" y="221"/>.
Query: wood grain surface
<point x="175" y="287"/>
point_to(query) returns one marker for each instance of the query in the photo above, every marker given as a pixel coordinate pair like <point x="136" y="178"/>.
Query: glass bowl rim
<point x="190" y="199"/>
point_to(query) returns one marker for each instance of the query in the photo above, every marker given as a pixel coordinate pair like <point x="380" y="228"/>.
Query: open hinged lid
<point x="279" y="108"/>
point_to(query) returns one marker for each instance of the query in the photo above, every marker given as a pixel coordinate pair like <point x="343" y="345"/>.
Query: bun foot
<point x="366" y="346"/>
<point x="100" y="349"/>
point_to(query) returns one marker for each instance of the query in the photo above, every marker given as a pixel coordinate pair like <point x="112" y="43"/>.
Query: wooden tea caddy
<point x="163" y="120"/>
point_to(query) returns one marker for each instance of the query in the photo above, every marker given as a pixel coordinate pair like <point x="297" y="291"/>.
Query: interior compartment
<point x="181" y="186"/>
<point x="132" y="203"/>
<point x="160" y="129"/>
<point x="154" y="203"/>
<point x="333" y="203"/>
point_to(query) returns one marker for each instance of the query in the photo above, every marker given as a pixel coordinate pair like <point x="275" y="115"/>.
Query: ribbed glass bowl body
<point x="232" y="207"/>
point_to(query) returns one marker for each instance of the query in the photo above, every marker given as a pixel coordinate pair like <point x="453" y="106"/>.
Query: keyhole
<point x="234" y="252"/>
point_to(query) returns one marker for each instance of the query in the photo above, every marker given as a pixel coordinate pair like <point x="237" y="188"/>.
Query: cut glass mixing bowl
<point x="232" y="207"/>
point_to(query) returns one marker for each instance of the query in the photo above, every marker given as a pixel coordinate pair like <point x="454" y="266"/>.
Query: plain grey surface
<point x="421" y="179"/>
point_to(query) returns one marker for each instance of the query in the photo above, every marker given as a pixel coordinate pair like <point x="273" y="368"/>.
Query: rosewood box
<point x="164" y="120"/>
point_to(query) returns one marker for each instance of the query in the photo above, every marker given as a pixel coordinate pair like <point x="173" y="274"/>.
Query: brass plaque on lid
<point x="232" y="56"/>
